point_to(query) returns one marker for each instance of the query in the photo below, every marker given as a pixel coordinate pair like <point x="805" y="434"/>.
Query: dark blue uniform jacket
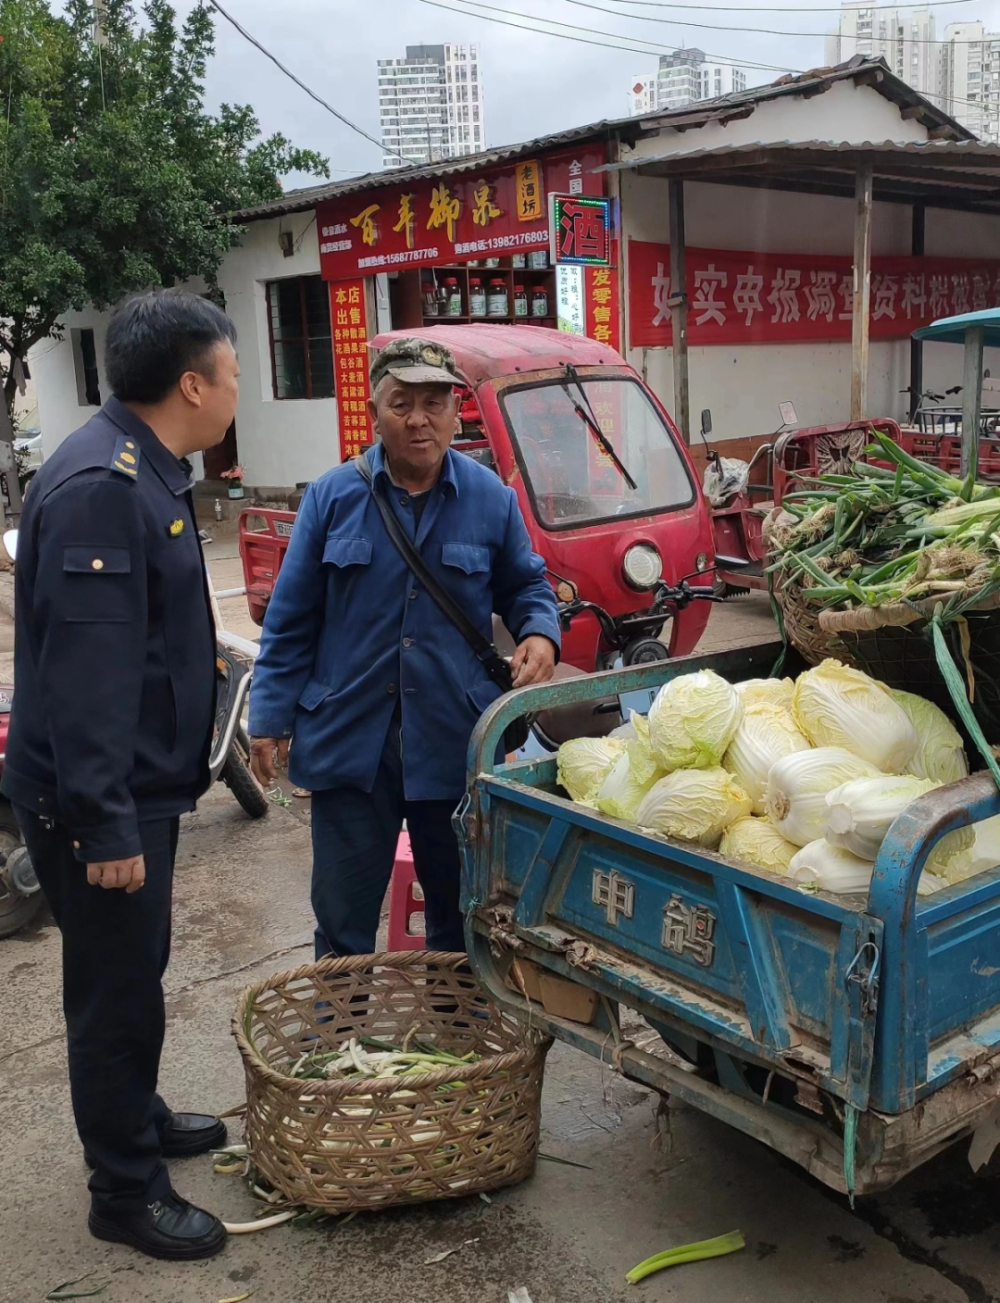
<point x="114" y="662"/>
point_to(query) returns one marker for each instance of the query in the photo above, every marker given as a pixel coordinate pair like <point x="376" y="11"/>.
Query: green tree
<point x="113" y="176"/>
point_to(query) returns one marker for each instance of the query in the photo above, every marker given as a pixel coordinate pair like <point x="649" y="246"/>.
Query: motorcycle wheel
<point x="237" y="777"/>
<point x="15" y="909"/>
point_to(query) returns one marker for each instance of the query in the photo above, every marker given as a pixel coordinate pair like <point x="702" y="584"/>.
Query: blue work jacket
<point x="349" y="634"/>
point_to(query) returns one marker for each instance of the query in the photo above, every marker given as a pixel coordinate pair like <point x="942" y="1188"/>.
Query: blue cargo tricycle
<point x="857" y="1035"/>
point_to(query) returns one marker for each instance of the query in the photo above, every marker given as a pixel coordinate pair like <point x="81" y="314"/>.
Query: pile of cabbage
<point x="801" y="778"/>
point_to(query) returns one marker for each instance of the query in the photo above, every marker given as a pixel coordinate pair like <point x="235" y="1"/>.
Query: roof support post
<point x="862" y="291"/>
<point x="678" y="308"/>
<point x="972" y="399"/>
<point x="916" y="345"/>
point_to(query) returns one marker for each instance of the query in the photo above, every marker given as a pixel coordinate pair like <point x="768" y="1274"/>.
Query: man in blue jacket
<point x="375" y="688"/>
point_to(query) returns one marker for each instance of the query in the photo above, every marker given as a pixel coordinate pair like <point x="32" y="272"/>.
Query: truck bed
<point x="796" y="1009"/>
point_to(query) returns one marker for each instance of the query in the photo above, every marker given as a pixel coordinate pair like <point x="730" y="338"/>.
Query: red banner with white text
<point x="777" y="298"/>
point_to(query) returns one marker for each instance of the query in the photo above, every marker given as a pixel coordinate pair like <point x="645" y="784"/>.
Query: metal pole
<point x="972" y="400"/>
<point x="678" y="308"/>
<point x="862" y="291"/>
<point x="916" y="345"/>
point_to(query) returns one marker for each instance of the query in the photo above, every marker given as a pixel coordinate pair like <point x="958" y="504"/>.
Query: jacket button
<point x="76" y="846"/>
<point x="404" y="501"/>
<point x="390" y="688"/>
<point x="413" y="595"/>
<point x="97" y="563"/>
<point x="407" y="642"/>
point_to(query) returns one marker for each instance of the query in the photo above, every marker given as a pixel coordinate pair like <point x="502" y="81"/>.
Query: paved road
<point x="568" y="1235"/>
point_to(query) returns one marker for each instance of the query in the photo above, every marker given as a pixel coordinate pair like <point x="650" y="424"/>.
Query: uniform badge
<point x="126" y="456"/>
<point x="175" y="527"/>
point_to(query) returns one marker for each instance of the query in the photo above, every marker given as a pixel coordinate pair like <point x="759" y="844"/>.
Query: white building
<point x="906" y="38"/>
<point x="430" y="104"/>
<point x="642" y="94"/>
<point x="970" y="78"/>
<point x="682" y="78"/>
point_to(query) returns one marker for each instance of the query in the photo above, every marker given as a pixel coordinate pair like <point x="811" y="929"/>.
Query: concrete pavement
<point x="568" y="1235"/>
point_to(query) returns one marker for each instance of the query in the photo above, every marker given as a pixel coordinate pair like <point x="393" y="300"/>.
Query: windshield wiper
<point x="586" y="415"/>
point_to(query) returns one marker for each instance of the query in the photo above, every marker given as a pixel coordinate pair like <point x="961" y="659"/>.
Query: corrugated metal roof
<point x="296" y="201"/>
<point x="876" y="71"/>
<point x="961" y="154"/>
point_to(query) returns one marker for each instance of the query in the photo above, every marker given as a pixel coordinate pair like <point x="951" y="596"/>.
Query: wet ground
<point x="568" y="1235"/>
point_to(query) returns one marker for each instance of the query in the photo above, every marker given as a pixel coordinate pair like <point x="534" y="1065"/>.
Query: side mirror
<point x="10" y="543"/>
<point x="706" y="422"/>
<point x="788" y="416"/>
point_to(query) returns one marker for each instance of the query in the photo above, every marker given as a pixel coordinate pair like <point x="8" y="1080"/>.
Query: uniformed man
<point x="376" y="688"/>
<point x="110" y="736"/>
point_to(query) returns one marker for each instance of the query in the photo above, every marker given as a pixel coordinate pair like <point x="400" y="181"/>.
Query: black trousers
<point x="115" y="950"/>
<point x="354" y="836"/>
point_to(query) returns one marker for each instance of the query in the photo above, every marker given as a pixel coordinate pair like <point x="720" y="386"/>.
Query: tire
<point x="15" y="910"/>
<point x="237" y="777"/>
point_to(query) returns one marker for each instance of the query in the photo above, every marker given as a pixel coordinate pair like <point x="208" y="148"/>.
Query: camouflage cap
<point x="415" y="362"/>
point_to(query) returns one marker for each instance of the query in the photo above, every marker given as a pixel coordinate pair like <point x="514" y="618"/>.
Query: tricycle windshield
<point x="571" y="477"/>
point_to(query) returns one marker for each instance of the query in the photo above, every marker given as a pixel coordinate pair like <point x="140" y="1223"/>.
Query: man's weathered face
<point x="416" y="423"/>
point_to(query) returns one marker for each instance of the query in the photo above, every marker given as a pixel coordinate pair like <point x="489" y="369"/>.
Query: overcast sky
<point x="533" y="84"/>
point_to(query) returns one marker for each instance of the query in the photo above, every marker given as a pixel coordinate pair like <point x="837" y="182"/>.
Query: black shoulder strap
<point x="496" y="666"/>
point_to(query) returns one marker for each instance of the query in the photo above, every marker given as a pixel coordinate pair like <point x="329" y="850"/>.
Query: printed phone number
<point x="516" y="241"/>
<point x="391" y="259"/>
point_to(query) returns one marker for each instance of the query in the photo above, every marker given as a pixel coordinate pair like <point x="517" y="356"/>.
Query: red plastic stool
<point x="406" y="899"/>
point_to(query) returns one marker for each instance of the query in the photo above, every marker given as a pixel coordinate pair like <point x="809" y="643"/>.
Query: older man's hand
<point x="533" y="662"/>
<point x="267" y="755"/>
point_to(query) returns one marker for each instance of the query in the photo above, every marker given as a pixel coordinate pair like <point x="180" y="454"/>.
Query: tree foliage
<point x="113" y="176"/>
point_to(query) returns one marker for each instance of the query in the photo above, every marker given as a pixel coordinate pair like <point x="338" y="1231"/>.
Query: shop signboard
<point x="602" y="305"/>
<point x="349" y="319"/>
<point x="451" y="218"/>
<point x="581" y="230"/>
<point x="762" y="298"/>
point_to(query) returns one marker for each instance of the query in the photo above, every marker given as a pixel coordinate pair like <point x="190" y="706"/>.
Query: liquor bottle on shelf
<point x="453" y="303"/>
<point x="477" y="297"/>
<point x="497" y="303"/>
<point x="520" y="301"/>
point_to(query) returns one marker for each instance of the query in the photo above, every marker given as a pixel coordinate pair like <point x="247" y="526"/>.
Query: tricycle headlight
<point x="642" y="566"/>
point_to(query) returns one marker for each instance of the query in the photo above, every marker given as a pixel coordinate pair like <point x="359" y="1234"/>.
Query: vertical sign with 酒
<point x="349" y="318"/>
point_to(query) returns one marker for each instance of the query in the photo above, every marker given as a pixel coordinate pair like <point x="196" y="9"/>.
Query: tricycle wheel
<point x="16" y="907"/>
<point x="237" y="777"/>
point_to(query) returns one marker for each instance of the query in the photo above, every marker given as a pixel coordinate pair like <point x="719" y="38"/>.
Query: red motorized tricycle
<point x="606" y="486"/>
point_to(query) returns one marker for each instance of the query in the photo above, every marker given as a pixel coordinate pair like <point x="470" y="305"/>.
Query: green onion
<point x="716" y="1248"/>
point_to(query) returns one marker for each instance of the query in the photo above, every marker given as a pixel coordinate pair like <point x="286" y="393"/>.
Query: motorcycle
<point x="635" y="640"/>
<point x="228" y="763"/>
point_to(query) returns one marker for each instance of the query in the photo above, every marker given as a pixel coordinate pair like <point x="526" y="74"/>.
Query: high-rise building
<point x="430" y="104"/>
<point x="642" y="94"/>
<point x="683" y="77"/>
<point x="905" y="38"/>
<point x="970" y="78"/>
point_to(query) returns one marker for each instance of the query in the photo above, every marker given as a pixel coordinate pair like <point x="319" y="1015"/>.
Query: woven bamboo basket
<point x="800" y="617"/>
<point x="356" y="1144"/>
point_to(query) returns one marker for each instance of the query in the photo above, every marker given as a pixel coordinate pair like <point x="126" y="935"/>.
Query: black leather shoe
<point x="170" y="1228"/>
<point x="187" y="1134"/>
<point x="192" y="1133"/>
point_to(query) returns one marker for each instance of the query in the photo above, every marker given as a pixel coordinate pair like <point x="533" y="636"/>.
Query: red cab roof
<point x="485" y="351"/>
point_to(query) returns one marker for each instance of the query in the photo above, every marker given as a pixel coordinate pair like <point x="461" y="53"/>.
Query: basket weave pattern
<point x="366" y="1143"/>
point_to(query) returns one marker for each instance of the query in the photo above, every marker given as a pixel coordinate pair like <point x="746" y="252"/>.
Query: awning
<point x="962" y="174"/>
<point x="953" y="330"/>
